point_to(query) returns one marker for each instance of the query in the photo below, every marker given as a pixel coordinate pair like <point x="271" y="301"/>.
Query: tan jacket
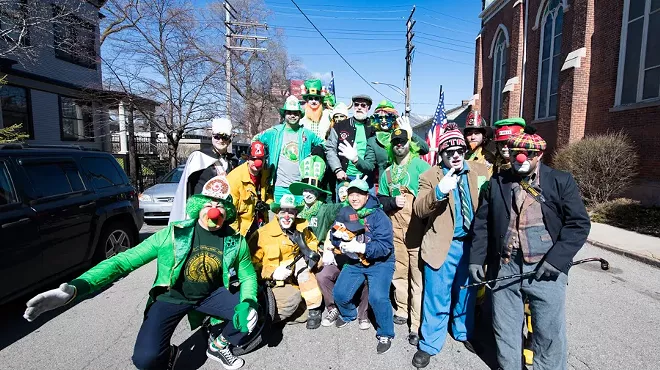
<point x="439" y="215"/>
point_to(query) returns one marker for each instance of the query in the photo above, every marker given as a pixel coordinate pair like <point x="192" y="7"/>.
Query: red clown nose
<point x="521" y="158"/>
<point x="213" y="213"/>
<point x="258" y="163"/>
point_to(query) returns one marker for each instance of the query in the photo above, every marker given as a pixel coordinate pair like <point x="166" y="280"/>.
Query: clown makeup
<point x="474" y="138"/>
<point x="525" y="162"/>
<point x="342" y="192"/>
<point x="357" y="198"/>
<point x="503" y="149"/>
<point x="453" y="157"/>
<point x="386" y="121"/>
<point x="401" y="149"/>
<point x="314" y="101"/>
<point x="212" y="216"/>
<point x="310" y="196"/>
<point x="221" y="142"/>
<point x="287" y="216"/>
<point x="292" y="118"/>
<point x="255" y="165"/>
<point x="361" y="109"/>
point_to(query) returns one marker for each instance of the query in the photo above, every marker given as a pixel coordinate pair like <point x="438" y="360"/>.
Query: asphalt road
<point x="613" y="321"/>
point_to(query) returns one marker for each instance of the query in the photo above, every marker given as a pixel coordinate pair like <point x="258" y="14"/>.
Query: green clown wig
<point x="196" y="203"/>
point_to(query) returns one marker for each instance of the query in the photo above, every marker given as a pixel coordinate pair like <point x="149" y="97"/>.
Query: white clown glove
<point x="400" y="201"/>
<point x="281" y="273"/>
<point x="354" y="246"/>
<point x="449" y="182"/>
<point x="404" y="124"/>
<point x="49" y="300"/>
<point x="328" y="257"/>
<point x="252" y="320"/>
<point x="347" y="151"/>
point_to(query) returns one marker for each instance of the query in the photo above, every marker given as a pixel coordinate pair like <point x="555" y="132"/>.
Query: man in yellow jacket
<point x="274" y="247"/>
<point x="251" y="191"/>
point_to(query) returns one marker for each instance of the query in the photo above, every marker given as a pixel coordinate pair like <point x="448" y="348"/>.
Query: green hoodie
<point x="170" y="247"/>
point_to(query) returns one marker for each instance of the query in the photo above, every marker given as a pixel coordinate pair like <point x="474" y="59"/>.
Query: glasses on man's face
<point x="339" y="117"/>
<point x="315" y="98"/>
<point x="451" y="152"/>
<point x="224" y="137"/>
<point x="360" y="105"/>
<point x="530" y="154"/>
<point x="387" y="118"/>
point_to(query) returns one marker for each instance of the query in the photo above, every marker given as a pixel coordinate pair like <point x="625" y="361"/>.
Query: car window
<point x="55" y="178"/>
<point x="7" y="195"/>
<point x="102" y="171"/>
<point x="173" y="176"/>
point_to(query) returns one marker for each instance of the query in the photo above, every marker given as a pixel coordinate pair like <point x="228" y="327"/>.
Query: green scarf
<point x="309" y="212"/>
<point x="384" y="137"/>
<point x="364" y="212"/>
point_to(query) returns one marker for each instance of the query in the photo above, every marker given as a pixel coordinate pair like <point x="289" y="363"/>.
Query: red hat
<point x="451" y="137"/>
<point x="503" y="133"/>
<point x="257" y="150"/>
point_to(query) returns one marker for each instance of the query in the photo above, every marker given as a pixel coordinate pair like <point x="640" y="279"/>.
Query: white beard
<point x="286" y="224"/>
<point x="360" y="116"/>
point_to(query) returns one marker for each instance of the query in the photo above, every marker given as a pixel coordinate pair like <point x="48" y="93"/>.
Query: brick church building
<point x="575" y="68"/>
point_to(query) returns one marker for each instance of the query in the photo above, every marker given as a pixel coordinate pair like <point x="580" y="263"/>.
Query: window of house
<point x="499" y="77"/>
<point x="15" y="107"/>
<point x="77" y="119"/>
<point x="74" y="39"/>
<point x="12" y="29"/>
<point x="54" y="178"/>
<point x="103" y="172"/>
<point x="549" y="59"/>
<point x="639" y="58"/>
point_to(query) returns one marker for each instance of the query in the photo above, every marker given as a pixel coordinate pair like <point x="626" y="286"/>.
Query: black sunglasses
<point x="360" y="104"/>
<point x="313" y="98"/>
<point x="450" y="152"/>
<point x="224" y="137"/>
<point x="529" y="153"/>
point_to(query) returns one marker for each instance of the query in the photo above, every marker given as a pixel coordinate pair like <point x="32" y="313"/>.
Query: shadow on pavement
<point x="192" y="352"/>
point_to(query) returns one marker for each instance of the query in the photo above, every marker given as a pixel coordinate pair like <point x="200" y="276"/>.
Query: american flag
<point x="437" y="128"/>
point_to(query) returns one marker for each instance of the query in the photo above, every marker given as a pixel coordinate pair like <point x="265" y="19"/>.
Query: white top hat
<point x="340" y="108"/>
<point x="221" y="126"/>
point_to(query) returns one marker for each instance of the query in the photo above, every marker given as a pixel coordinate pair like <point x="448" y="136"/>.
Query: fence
<point x="149" y="170"/>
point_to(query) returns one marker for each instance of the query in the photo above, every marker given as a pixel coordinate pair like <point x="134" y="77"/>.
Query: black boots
<point x="421" y="359"/>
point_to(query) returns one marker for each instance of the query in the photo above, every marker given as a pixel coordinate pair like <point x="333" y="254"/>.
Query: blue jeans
<point x="379" y="278"/>
<point x="152" y="346"/>
<point x="546" y="302"/>
<point x="443" y="297"/>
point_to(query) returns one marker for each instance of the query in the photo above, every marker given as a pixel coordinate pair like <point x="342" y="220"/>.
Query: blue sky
<point x="444" y="40"/>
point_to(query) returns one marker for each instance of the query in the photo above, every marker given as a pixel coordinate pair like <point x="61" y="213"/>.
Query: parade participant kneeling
<point x="274" y="247"/>
<point x="397" y="190"/>
<point x="194" y="258"/>
<point x="202" y="165"/>
<point x="448" y="196"/>
<point x="372" y="259"/>
<point x="531" y="218"/>
<point x="250" y="189"/>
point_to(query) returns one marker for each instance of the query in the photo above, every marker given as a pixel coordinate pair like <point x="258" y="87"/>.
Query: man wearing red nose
<point x="530" y="218"/>
<point x="251" y="191"/>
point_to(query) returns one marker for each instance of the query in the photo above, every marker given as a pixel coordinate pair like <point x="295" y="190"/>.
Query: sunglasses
<point x="315" y="98"/>
<point x="529" y="153"/>
<point x="360" y="105"/>
<point x="387" y="118"/>
<point x="224" y="137"/>
<point x="451" y="152"/>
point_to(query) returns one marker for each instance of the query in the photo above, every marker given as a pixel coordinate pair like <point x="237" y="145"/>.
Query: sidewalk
<point x="641" y="247"/>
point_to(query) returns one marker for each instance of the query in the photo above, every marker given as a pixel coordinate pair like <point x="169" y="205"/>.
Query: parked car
<point x="156" y="201"/>
<point x="62" y="208"/>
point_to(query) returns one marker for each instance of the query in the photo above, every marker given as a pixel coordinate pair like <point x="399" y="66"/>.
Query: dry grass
<point x="628" y="214"/>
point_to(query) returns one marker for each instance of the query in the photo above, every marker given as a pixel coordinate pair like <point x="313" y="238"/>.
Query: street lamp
<point x="397" y="89"/>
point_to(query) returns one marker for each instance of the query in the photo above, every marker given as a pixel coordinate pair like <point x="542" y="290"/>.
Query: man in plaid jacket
<point x="530" y="218"/>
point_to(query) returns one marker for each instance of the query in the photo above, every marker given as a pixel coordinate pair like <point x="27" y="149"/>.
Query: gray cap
<point x="362" y="97"/>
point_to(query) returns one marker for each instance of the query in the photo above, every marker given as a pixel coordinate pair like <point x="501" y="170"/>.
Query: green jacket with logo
<point x="170" y="247"/>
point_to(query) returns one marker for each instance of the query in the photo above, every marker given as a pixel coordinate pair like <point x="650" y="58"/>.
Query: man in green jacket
<point x="287" y="143"/>
<point x="194" y="259"/>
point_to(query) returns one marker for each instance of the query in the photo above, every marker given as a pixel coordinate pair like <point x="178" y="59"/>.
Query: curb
<point x="636" y="256"/>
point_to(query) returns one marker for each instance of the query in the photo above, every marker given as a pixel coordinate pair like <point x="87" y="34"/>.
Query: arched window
<point x="549" y="59"/>
<point x="499" y="77"/>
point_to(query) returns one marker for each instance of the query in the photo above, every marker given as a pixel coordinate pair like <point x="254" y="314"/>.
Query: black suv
<point x="61" y="208"/>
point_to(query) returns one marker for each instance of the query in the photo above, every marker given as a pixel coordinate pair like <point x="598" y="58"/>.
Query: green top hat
<point x="287" y="201"/>
<point x="513" y="121"/>
<point x="330" y="100"/>
<point x="312" y="170"/>
<point x="313" y="88"/>
<point x="292" y="104"/>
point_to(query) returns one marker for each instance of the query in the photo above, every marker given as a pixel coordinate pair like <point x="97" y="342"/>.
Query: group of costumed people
<point x="332" y="210"/>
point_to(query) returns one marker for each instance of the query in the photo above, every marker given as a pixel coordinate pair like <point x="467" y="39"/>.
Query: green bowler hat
<point x="312" y="170"/>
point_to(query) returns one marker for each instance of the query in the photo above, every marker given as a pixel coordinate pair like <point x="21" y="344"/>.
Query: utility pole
<point x="409" y="49"/>
<point x="232" y="20"/>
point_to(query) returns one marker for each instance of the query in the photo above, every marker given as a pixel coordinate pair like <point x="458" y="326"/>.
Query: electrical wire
<point x="445" y="59"/>
<point x="341" y="11"/>
<point x="446" y="15"/>
<point x="343" y="18"/>
<point x="337" y="51"/>
<point x="356" y="53"/>
<point x="446" y="28"/>
<point x="444" y="48"/>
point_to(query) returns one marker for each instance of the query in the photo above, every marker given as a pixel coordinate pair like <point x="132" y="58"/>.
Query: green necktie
<point x="465" y="204"/>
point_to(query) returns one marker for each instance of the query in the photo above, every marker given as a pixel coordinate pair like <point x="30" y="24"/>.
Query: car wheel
<point x="116" y="238"/>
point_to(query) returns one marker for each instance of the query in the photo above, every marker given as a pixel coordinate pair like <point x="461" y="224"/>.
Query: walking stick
<point x="604" y="265"/>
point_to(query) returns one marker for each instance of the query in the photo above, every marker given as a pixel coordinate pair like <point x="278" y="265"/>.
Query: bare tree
<point x="149" y="51"/>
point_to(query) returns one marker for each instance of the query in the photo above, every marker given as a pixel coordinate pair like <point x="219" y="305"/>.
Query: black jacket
<point x="197" y="180"/>
<point x="564" y="214"/>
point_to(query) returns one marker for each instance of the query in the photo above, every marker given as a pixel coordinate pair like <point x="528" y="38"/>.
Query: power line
<point x="340" y="11"/>
<point x="444" y="48"/>
<point x="343" y="38"/>
<point x="366" y="10"/>
<point x="446" y="28"/>
<point x="343" y="32"/>
<point x="445" y="59"/>
<point x="344" y="18"/>
<point x="357" y="53"/>
<point x="445" y="42"/>
<point x="446" y="15"/>
<point x="447" y="38"/>
<point x="337" y="51"/>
